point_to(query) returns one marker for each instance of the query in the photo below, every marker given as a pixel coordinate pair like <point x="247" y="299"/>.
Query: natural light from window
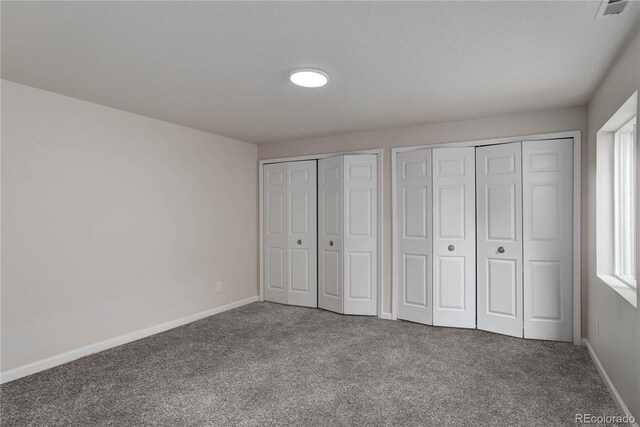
<point x="616" y="201"/>
<point x="624" y="194"/>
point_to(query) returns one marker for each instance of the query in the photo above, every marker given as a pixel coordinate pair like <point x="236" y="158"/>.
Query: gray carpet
<point x="270" y="364"/>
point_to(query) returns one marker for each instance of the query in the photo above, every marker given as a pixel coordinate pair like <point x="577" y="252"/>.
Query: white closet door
<point x="360" y="230"/>
<point x="275" y="206"/>
<point x="454" y="237"/>
<point x="414" y="236"/>
<point x="499" y="213"/>
<point x="302" y="259"/>
<point x="548" y="239"/>
<point x="330" y="232"/>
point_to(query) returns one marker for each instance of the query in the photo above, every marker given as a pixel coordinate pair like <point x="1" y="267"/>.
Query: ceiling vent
<point x="611" y="7"/>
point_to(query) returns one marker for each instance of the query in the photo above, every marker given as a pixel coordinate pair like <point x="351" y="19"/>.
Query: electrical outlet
<point x="219" y="287"/>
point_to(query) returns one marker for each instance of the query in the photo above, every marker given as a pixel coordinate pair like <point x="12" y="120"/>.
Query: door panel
<point x="501" y="204"/>
<point x="360" y="234"/>
<point x="275" y="265"/>
<point x="331" y="273"/>
<point x="499" y="238"/>
<point x="454" y="237"/>
<point x="415" y="202"/>
<point x="302" y="233"/>
<point x="451" y="211"/>
<point x="359" y="279"/>
<point x="452" y="283"/>
<point x="501" y="280"/>
<point x="548" y="239"/>
<point x="415" y="252"/>
<point x="299" y="208"/>
<point x="415" y="278"/>
<point x="275" y="268"/>
<point x="330" y="241"/>
<point x="301" y="275"/>
<point x="359" y="208"/>
<point x="543" y="303"/>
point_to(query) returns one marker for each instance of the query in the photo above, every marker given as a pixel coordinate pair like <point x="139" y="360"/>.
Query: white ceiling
<point x="223" y="66"/>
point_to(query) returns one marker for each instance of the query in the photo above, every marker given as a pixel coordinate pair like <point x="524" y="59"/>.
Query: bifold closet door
<point x="330" y="268"/>
<point x="499" y="238"/>
<point x="275" y="233"/>
<point x="347" y="234"/>
<point x="302" y="211"/>
<point x="290" y="224"/>
<point x="415" y="255"/>
<point x="454" y="237"/>
<point x="548" y="239"/>
<point x="360" y="242"/>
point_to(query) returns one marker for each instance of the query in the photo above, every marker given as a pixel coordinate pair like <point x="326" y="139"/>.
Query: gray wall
<point x="494" y="127"/>
<point x="114" y="222"/>
<point x="617" y="340"/>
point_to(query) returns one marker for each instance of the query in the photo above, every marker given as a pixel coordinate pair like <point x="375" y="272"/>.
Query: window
<point x="615" y="193"/>
<point x="624" y="203"/>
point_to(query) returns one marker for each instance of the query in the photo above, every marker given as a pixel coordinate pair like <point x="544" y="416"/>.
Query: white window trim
<point x="622" y="288"/>
<point x="618" y="245"/>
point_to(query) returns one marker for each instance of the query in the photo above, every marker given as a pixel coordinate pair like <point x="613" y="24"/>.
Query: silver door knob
<point x="501" y="250"/>
<point x="330" y="242"/>
<point x="451" y="248"/>
<point x="299" y="242"/>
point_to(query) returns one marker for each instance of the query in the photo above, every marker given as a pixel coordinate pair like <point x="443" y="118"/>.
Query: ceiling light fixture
<point x="309" y="77"/>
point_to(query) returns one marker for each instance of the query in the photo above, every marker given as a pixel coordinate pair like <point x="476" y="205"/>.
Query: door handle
<point x="299" y="242"/>
<point x="451" y="248"/>
<point x="330" y="242"/>
<point x="500" y="250"/>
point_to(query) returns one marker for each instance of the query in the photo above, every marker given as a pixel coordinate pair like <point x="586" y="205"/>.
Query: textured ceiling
<point x="223" y="66"/>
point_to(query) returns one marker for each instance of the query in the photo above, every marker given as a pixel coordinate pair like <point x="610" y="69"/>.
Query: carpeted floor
<point x="269" y="364"/>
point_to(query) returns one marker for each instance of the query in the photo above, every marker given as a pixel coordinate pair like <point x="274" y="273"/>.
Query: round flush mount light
<point x="308" y="77"/>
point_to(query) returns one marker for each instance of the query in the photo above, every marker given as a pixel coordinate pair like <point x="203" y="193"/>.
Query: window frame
<point x="618" y="168"/>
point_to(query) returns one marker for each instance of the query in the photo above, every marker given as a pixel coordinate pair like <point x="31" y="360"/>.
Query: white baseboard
<point x="386" y="316"/>
<point x="622" y="407"/>
<point x="50" y="362"/>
